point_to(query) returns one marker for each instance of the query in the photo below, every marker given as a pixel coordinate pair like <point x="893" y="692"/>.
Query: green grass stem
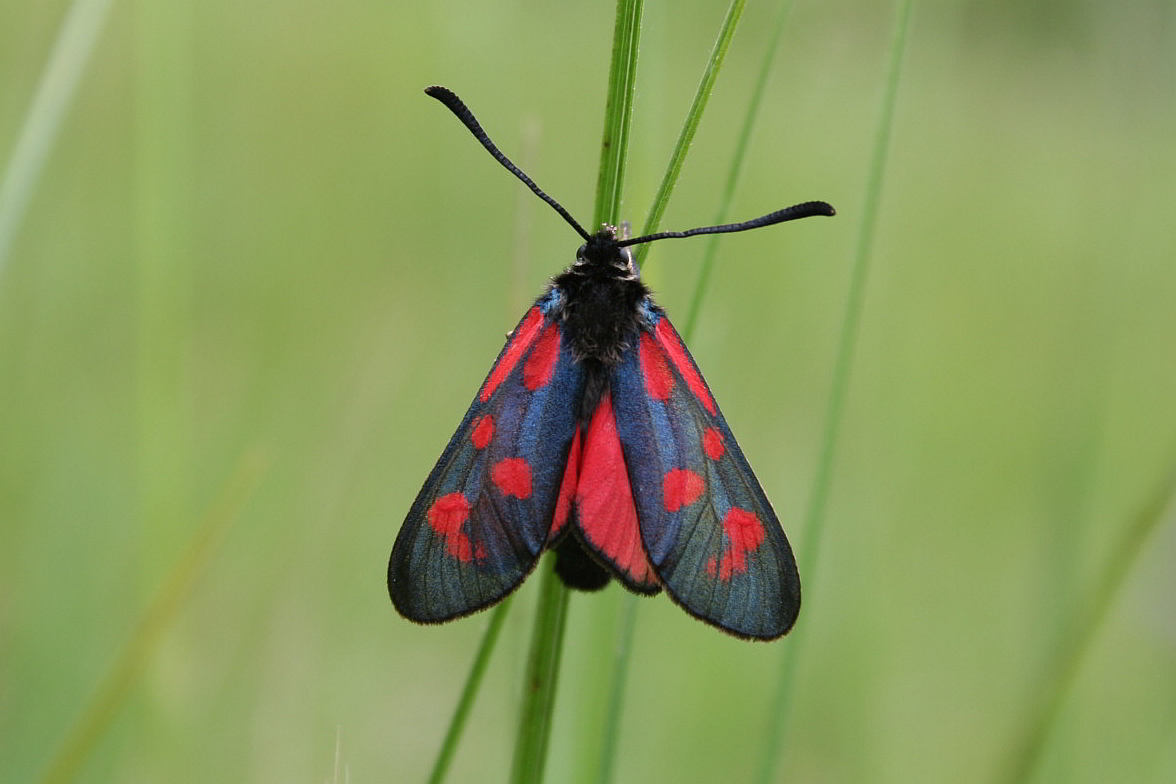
<point x="736" y="169"/>
<point x="843" y="363"/>
<point x="693" y="118"/>
<point x="468" y="692"/>
<point x="55" y="91"/>
<point x="622" y="650"/>
<point x="133" y="660"/>
<point x="618" y="112"/>
<point x="517" y="302"/>
<point x="628" y="620"/>
<point x="551" y="612"/>
<point x="547" y="638"/>
<point x="1060" y="675"/>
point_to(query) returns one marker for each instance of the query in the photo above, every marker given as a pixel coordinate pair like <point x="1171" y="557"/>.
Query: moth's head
<point x="603" y="251"/>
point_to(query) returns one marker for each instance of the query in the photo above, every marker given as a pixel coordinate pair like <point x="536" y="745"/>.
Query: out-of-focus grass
<point x="349" y="271"/>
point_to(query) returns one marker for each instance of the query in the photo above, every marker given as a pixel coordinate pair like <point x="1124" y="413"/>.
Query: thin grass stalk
<point x="1069" y="524"/>
<point x="616" y="694"/>
<point x="55" y="91"/>
<point x="693" y="118"/>
<point x="736" y="169"/>
<point x="1060" y="675"/>
<point x="530" y="754"/>
<point x="131" y="663"/>
<point x="618" y="112"/>
<point x="551" y="611"/>
<point x="469" y="692"/>
<point x="522" y="256"/>
<point x="843" y="363"/>
<point x="624" y="641"/>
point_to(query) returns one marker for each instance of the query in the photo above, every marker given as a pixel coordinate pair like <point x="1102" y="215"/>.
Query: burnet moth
<point x="595" y="435"/>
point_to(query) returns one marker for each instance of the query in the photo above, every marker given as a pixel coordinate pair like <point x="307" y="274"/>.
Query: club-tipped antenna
<point x="455" y="105"/>
<point x="805" y="210"/>
<point x="462" y="112"/>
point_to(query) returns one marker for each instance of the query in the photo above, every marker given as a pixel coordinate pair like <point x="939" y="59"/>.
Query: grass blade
<point x="624" y="643"/>
<point x="132" y="661"/>
<point x="530" y="752"/>
<point x="1058" y="678"/>
<point x="736" y="169"/>
<point x="55" y="91"/>
<point x="815" y="518"/>
<point x="469" y="692"/>
<point x="616" y="692"/>
<point x="618" y="112"/>
<point x="551" y="612"/>
<point x="521" y="255"/>
<point x="693" y="118"/>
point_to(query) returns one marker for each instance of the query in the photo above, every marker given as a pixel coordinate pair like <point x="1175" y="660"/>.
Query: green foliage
<point x="258" y="233"/>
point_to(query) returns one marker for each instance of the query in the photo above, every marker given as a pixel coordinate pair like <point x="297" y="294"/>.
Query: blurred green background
<point x="255" y="242"/>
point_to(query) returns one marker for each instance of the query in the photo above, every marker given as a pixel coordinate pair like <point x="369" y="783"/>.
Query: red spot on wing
<point x="448" y="512"/>
<point x="658" y="379"/>
<point x="523" y="336"/>
<point x="712" y="443"/>
<point x="446" y="516"/>
<point x="744" y="533"/>
<point x="567" y="488"/>
<point x="540" y="366"/>
<point x="512" y="476"/>
<point x="681" y="487"/>
<point x="605" y="511"/>
<point x="668" y="339"/>
<point x="483" y="431"/>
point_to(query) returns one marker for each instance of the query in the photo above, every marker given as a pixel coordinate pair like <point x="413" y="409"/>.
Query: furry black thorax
<point x="601" y="300"/>
<point x="601" y="311"/>
<point x="601" y="317"/>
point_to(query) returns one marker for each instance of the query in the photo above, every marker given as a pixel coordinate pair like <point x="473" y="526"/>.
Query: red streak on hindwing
<point x="567" y="489"/>
<point x="605" y="510"/>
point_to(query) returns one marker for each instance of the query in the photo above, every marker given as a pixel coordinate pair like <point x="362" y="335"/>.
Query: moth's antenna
<point x="455" y="105"/>
<point x="805" y="210"/>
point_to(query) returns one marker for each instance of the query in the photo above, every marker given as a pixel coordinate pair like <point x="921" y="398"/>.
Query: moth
<point x="596" y="436"/>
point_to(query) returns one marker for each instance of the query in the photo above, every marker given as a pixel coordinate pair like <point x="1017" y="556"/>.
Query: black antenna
<point x="805" y="210"/>
<point x="455" y="105"/>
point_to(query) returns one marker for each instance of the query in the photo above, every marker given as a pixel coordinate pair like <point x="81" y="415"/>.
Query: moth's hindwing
<point x="605" y="512"/>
